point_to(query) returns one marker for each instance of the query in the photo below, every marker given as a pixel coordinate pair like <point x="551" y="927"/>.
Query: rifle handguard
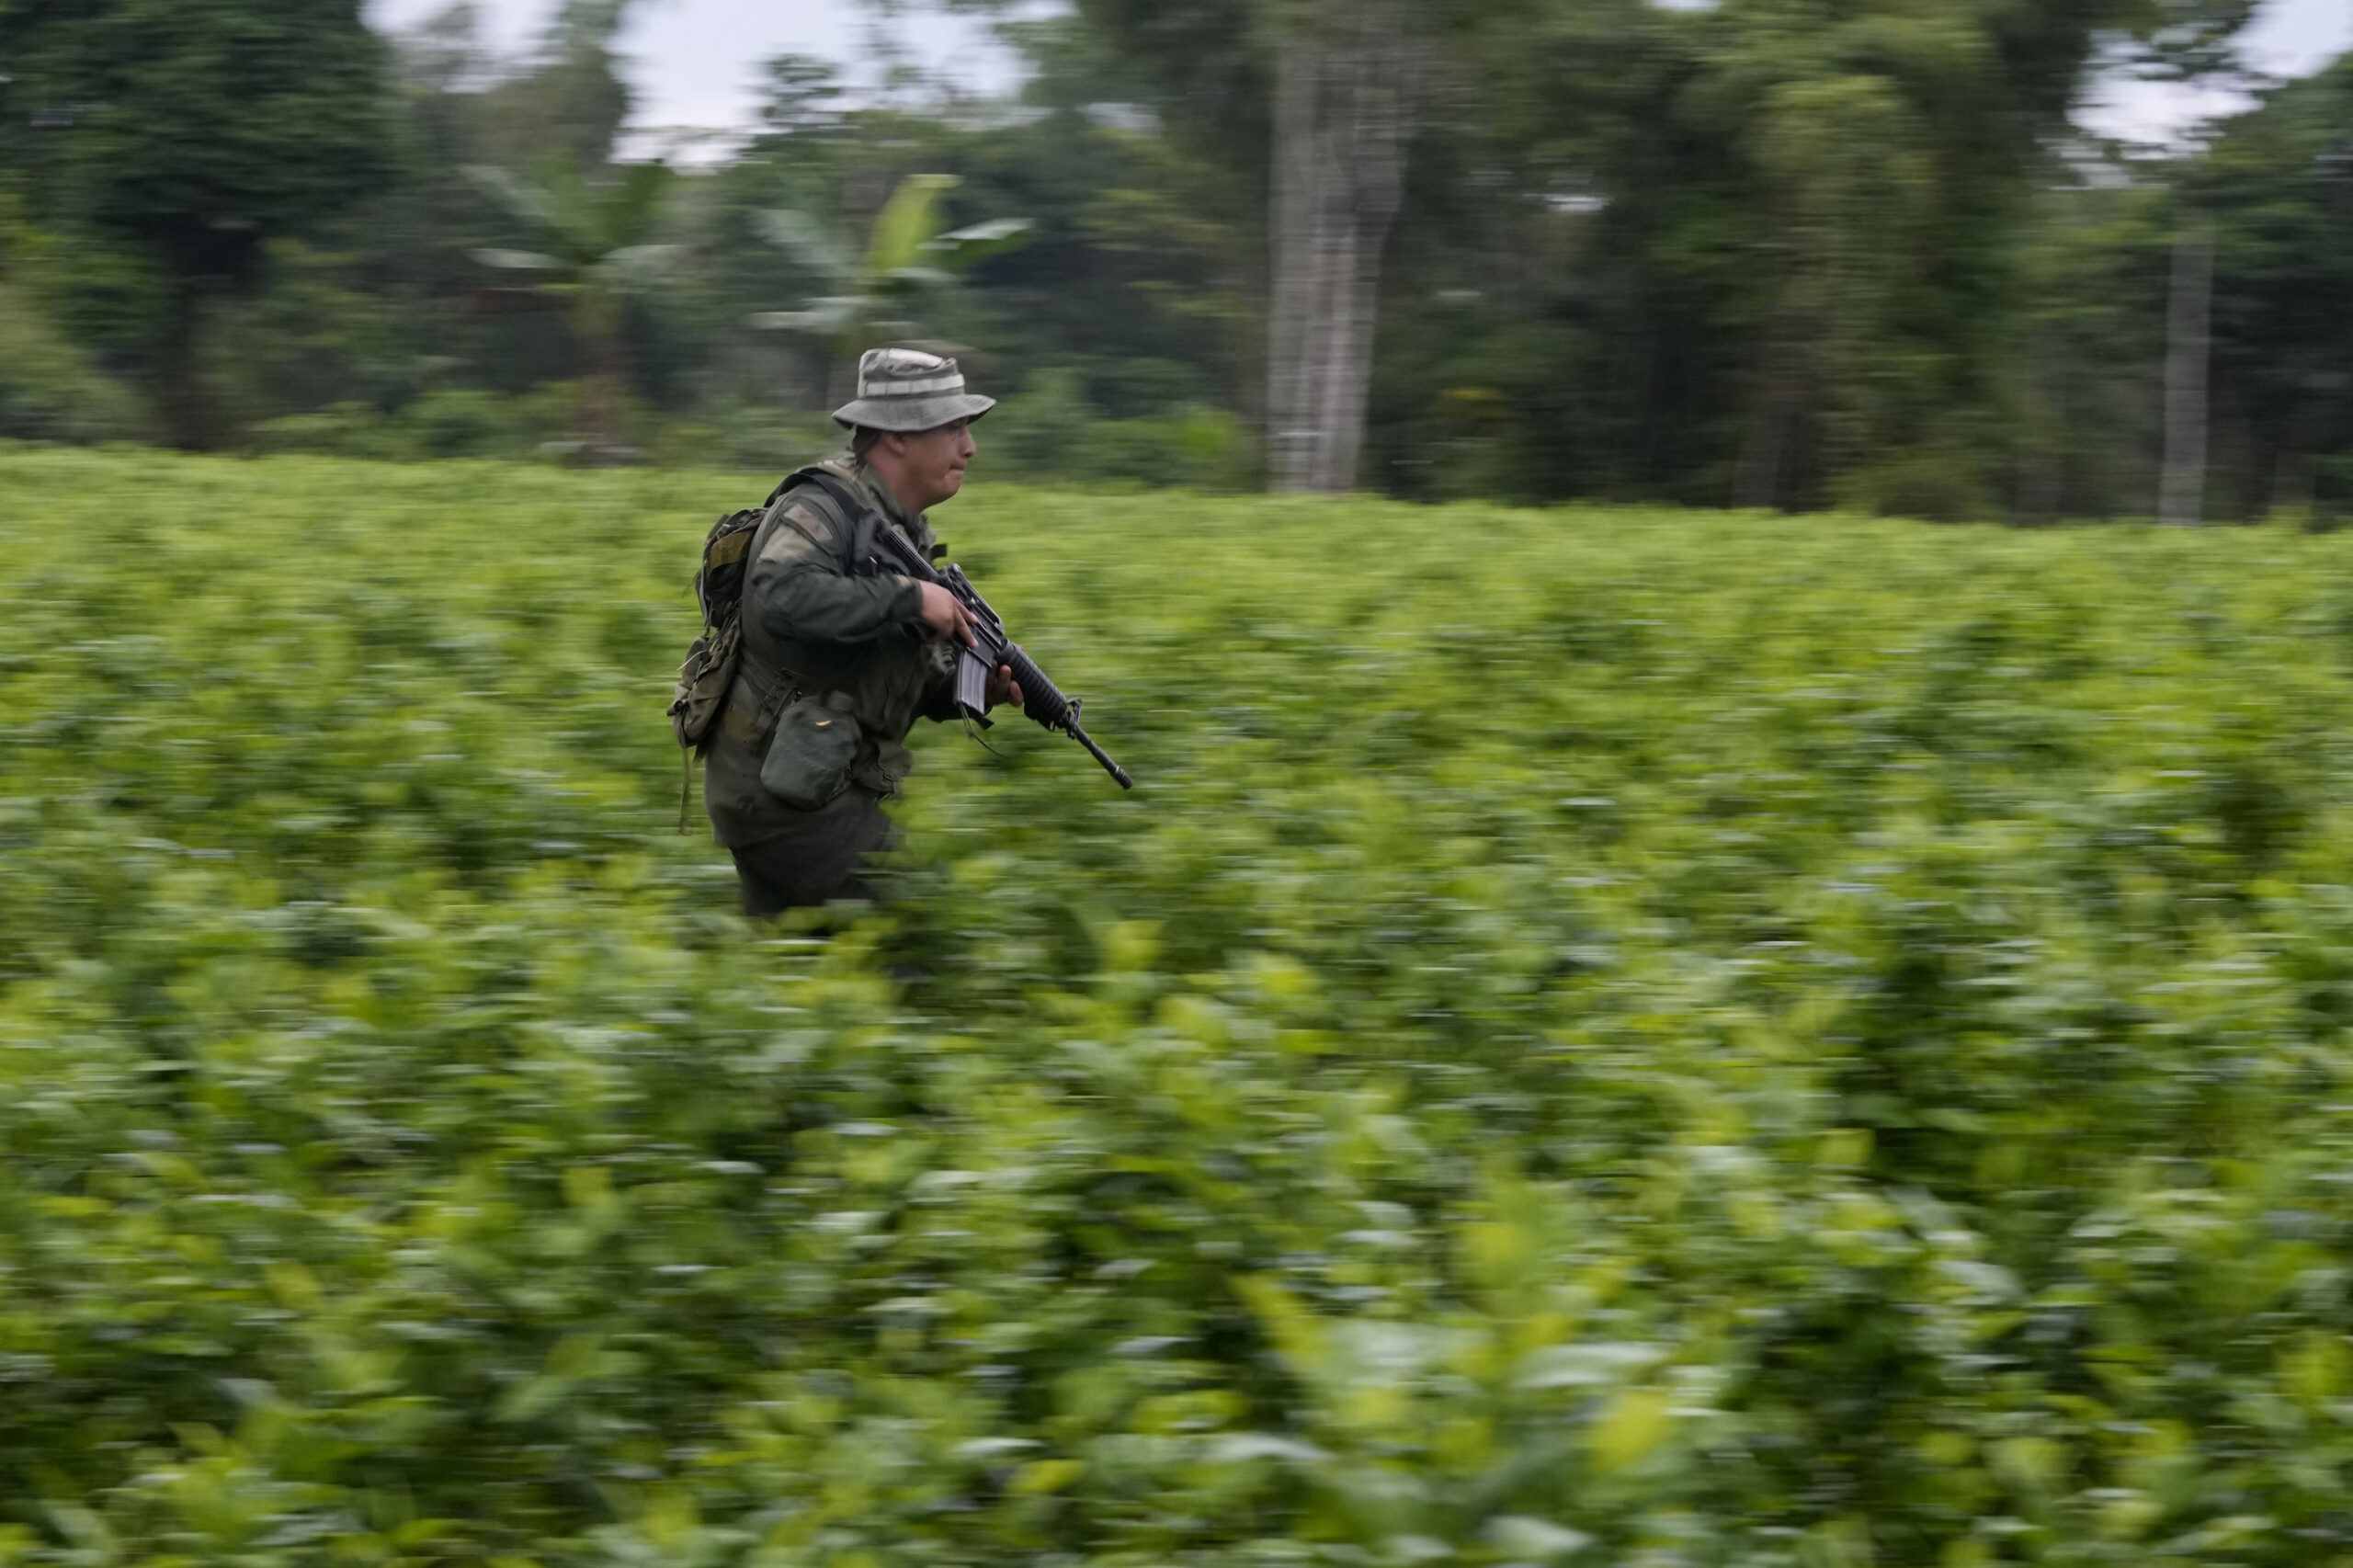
<point x="1040" y="699"/>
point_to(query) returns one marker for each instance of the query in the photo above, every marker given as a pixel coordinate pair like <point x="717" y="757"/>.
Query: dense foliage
<point x="1778" y="252"/>
<point x="170" y="141"/>
<point x="1605" y="1037"/>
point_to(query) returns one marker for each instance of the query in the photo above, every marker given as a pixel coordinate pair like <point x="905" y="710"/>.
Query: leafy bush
<point x="442" y="422"/>
<point x="1945" y="483"/>
<point x="456" y="422"/>
<point x="745" y="437"/>
<point x="1605" y="1037"/>
<point x="1050" y="430"/>
<point x="49" y="391"/>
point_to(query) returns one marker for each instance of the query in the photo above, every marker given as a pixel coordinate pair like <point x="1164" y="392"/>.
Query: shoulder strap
<point x="807" y="474"/>
<point x="864" y="518"/>
<point x="764" y="677"/>
<point x="770" y="517"/>
<point x="751" y="669"/>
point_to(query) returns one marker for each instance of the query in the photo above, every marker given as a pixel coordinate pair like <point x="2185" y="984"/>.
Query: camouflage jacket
<point x="814" y="624"/>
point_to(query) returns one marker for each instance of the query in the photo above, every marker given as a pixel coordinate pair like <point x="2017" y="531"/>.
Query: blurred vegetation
<point x="171" y="141"/>
<point x="49" y="387"/>
<point x="1757" y="252"/>
<point x="1607" y="1035"/>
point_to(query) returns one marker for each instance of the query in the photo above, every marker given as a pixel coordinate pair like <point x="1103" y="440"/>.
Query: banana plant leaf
<point x="964" y="246"/>
<point x="906" y="223"/>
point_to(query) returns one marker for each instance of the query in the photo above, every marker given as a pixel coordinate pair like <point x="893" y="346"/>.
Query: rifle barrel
<point x="1099" y="754"/>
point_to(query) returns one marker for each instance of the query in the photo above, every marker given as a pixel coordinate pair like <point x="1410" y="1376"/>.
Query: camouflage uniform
<point x="813" y="624"/>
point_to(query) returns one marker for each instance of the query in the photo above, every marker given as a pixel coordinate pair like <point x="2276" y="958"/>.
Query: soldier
<point x="879" y="651"/>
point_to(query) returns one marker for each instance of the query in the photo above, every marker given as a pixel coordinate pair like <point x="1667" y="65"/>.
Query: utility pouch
<point x="885" y="770"/>
<point x="704" y="681"/>
<point x="808" y="761"/>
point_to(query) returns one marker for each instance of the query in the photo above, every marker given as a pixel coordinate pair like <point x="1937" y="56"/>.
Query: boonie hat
<point x="906" y="390"/>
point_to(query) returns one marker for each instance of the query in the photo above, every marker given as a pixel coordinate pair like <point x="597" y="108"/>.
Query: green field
<point x="1605" y="1038"/>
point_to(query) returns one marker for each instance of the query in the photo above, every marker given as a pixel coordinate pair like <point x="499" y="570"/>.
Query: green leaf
<point x="1630" y="1428"/>
<point x="965" y="247"/>
<point x="907" y="221"/>
<point x="1520" y="1538"/>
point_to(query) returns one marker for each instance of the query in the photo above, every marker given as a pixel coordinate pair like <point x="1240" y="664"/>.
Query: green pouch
<point x="808" y="761"/>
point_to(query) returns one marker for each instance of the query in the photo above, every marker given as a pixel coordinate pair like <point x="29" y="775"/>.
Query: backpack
<point x="710" y="666"/>
<point x="709" y="672"/>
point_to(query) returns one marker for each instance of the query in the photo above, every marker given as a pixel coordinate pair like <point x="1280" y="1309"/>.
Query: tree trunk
<point x="1344" y="113"/>
<point x="187" y="413"/>
<point x="2182" y="496"/>
<point x="1773" y="422"/>
<point x="604" y="383"/>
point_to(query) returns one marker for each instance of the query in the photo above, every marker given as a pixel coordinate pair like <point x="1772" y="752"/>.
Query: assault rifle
<point x="885" y="547"/>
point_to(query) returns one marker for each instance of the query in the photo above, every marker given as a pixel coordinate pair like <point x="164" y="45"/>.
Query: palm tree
<point x="597" y="254"/>
<point x="906" y="257"/>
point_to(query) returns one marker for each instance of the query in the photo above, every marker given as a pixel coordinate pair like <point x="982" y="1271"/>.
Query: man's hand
<point x="1003" y="692"/>
<point x="944" y="617"/>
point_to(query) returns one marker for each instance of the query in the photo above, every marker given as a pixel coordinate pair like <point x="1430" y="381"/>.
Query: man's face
<point x="931" y="464"/>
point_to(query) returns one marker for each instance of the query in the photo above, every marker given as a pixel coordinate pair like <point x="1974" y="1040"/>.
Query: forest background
<point x="1772" y="253"/>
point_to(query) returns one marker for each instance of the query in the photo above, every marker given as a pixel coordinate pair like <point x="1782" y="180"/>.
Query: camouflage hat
<point x="907" y="390"/>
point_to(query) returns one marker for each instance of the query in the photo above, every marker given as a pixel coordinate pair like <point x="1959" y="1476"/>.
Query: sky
<point x="697" y="62"/>
<point x="2289" y="38"/>
<point x="694" y="63"/>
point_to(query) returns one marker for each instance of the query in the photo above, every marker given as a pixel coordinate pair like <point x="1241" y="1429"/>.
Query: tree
<point x="1896" y="154"/>
<point x="1316" y="104"/>
<point x="1810" y="236"/>
<point x="2277" y="188"/>
<point x="48" y="389"/>
<point x="569" y="106"/>
<point x="191" y="133"/>
<point x="1347" y="97"/>
<point x="906" y="255"/>
<point x="2181" y="502"/>
<point x="597" y="249"/>
<point x="1342" y="91"/>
